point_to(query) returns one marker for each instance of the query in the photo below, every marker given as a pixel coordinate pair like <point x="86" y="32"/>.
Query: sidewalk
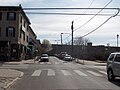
<point x="30" y="61"/>
<point x="8" y="77"/>
<point x="87" y="62"/>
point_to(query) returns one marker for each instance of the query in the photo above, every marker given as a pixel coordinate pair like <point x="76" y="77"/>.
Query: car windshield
<point x="44" y="55"/>
<point x="67" y="55"/>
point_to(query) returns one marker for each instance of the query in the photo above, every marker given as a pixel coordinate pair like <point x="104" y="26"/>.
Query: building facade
<point x="14" y="33"/>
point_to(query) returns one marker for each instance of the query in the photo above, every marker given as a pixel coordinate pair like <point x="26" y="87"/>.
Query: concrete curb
<point x="12" y="82"/>
<point x="85" y="62"/>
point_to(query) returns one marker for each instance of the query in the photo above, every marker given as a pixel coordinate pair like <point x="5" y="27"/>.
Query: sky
<point x="50" y="27"/>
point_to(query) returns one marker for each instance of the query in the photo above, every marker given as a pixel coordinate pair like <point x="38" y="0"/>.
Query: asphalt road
<point x="61" y="75"/>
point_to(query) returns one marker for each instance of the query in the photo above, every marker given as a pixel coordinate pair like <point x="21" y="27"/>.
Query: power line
<point x="102" y="24"/>
<point x="67" y="8"/>
<point x="68" y="14"/>
<point x="85" y="10"/>
<point x="93" y="16"/>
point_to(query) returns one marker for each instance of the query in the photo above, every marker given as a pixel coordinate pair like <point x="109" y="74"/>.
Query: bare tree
<point x="81" y="41"/>
<point x="46" y="46"/>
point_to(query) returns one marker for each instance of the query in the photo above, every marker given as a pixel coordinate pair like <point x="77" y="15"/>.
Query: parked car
<point x="44" y="57"/>
<point x="67" y="58"/>
<point x="62" y="55"/>
<point x="113" y="66"/>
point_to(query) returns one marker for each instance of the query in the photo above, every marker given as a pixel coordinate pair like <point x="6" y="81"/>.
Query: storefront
<point x="4" y="50"/>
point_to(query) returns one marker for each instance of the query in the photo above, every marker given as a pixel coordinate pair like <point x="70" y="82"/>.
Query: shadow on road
<point x="116" y="82"/>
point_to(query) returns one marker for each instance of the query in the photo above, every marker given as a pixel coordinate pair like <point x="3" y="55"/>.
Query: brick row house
<point x="17" y="39"/>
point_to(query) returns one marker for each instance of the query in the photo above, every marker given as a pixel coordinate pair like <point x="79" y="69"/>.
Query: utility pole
<point x="61" y="39"/>
<point x="72" y="36"/>
<point x="117" y="40"/>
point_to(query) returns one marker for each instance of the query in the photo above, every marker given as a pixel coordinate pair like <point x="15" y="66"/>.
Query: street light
<point x="72" y="27"/>
<point x="61" y="37"/>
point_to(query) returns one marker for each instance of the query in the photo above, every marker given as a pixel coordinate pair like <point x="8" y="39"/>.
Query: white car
<point x="67" y="58"/>
<point x="113" y="66"/>
<point x="44" y="57"/>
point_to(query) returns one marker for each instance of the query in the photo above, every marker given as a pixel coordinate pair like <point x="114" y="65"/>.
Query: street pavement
<point x="9" y="76"/>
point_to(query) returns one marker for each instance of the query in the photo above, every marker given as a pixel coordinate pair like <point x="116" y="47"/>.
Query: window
<point x="0" y="15"/>
<point x="117" y="58"/>
<point x="27" y="38"/>
<point x="10" y="32"/>
<point x="21" y="19"/>
<point x="0" y="32"/>
<point x="24" y="23"/>
<point x="111" y="57"/>
<point x="11" y="16"/>
<point x="24" y="36"/>
<point x="20" y="31"/>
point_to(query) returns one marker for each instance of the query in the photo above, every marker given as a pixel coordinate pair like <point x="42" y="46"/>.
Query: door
<point x="117" y="65"/>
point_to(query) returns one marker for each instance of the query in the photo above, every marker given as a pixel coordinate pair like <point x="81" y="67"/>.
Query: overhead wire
<point x="67" y="8"/>
<point x="81" y="14"/>
<point x="67" y="13"/>
<point x="102" y="24"/>
<point x="85" y="10"/>
<point x="93" y="16"/>
<point x="76" y="14"/>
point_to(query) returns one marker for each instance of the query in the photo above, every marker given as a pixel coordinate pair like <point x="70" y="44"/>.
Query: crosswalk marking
<point x="42" y="63"/>
<point x="94" y="73"/>
<point x="56" y="62"/>
<point x="36" y="73"/>
<point x="51" y="72"/>
<point x="66" y="73"/>
<point x="80" y="73"/>
<point x="103" y="72"/>
<point x="48" y="62"/>
<point x="45" y="63"/>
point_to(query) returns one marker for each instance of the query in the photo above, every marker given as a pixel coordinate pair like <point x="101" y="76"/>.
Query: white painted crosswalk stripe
<point x="42" y="63"/>
<point x="80" y="73"/>
<point x="36" y="73"/>
<point x="56" y="62"/>
<point x="48" y="63"/>
<point x="94" y="73"/>
<point x="66" y="73"/>
<point x="103" y="72"/>
<point x="51" y="72"/>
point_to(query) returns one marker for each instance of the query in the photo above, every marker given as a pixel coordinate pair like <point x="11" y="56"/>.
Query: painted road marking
<point x="36" y="73"/>
<point x="66" y="73"/>
<point x="51" y="72"/>
<point x="80" y="73"/>
<point x="103" y="72"/>
<point x="94" y="73"/>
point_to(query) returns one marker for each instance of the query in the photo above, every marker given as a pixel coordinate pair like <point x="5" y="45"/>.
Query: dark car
<point x="44" y="58"/>
<point x="62" y="55"/>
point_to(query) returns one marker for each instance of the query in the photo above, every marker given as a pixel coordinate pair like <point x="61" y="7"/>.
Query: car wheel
<point x="110" y="75"/>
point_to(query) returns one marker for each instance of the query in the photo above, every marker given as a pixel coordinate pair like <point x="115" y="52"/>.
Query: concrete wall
<point x="85" y="52"/>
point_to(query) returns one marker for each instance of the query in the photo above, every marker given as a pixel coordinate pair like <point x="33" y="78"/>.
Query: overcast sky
<point x="51" y="26"/>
